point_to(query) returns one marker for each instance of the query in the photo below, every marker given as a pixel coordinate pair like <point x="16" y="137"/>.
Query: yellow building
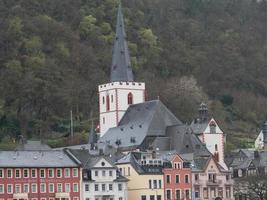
<point x="145" y="179"/>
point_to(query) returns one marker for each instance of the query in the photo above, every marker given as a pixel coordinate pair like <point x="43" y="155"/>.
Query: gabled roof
<point x="140" y="120"/>
<point x="45" y="158"/>
<point x="121" y="69"/>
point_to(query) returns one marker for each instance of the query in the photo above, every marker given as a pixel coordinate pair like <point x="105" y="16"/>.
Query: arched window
<point x="130" y="98"/>
<point x="212" y="128"/>
<point x="107" y="103"/>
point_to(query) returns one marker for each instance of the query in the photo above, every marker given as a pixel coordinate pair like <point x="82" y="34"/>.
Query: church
<point x="128" y="122"/>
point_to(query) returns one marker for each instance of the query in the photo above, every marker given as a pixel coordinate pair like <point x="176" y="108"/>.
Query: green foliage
<point x="53" y="54"/>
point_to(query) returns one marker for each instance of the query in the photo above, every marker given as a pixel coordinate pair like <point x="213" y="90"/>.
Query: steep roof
<point x="140" y="120"/>
<point x="121" y="69"/>
<point x="49" y="158"/>
<point x="184" y="141"/>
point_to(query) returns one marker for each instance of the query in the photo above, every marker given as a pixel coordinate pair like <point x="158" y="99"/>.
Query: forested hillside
<point x="53" y="54"/>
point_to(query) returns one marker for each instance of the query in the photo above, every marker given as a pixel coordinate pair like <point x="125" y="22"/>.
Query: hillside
<point x="53" y="54"/>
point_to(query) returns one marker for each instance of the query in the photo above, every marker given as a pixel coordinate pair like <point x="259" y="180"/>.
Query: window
<point x="33" y="173"/>
<point x="120" y="187"/>
<point x="196" y="177"/>
<point x="159" y="183"/>
<point x="103" y="120"/>
<point x="2" y="189"/>
<point x="155" y="184"/>
<point x="59" y="173"/>
<point x="143" y="197"/>
<point x="67" y="187"/>
<point x="34" y="188"/>
<point x="220" y="192"/>
<point x="59" y="187"/>
<point x="205" y="193"/>
<point x="43" y="188"/>
<point x="111" y="98"/>
<point x="9" y="173"/>
<point x="1" y="173"/>
<point x="150" y="184"/>
<point x="103" y="173"/>
<point x="25" y="173"/>
<point x="227" y="177"/>
<point x="177" y="195"/>
<point x="130" y="98"/>
<point x="168" y="195"/>
<point x="42" y="173"/>
<point x="96" y="187"/>
<point x="110" y="173"/>
<point x="66" y="172"/>
<point x="197" y="192"/>
<point x="168" y="179"/>
<point x="17" y="188"/>
<point x="177" y="178"/>
<point x="26" y="188"/>
<point x="103" y="187"/>
<point x="228" y="192"/>
<point x="17" y="173"/>
<point x="50" y="173"/>
<point x="187" y="194"/>
<point x="103" y="100"/>
<point x="75" y="198"/>
<point x="75" y="172"/>
<point x="129" y="171"/>
<point x="75" y="187"/>
<point x="216" y="147"/>
<point x="96" y="173"/>
<point x="120" y="198"/>
<point x="110" y="187"/>
<point x="51" y="188"/>
<point x="86" y="187"/>
<point x="212" y="177"/>
<point x="9" y="189"/>
<point x="212" y="128"/>
<point x="108" y="103"/>
<point x="152" y="197"/>
<point x="186" y="179"/>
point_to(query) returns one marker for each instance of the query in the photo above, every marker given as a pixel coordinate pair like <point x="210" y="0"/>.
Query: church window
<point x="108" y="103"/>
<point x="130" y="98"/>
<point x="216" y="147"/>
<point x="111" y="98"/>
<point x="212" y="128"/>
<point x="103" y="120"/>
<point x="103" y="100"/>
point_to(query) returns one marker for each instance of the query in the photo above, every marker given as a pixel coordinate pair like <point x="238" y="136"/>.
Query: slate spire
<point x="121" y="69"/>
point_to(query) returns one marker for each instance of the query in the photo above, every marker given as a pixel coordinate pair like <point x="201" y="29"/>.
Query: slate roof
<point x="185" y="142"/>
<point x="199" y="127"/>
<point x="88" y="160"/>
<point x="48" y="158"/>
<point x="140" y="120"/>
<point x="33" y="145"/>
<point x="121" y="69"/>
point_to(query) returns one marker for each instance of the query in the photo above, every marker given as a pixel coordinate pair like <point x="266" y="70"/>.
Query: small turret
<point x="203" y="112"/>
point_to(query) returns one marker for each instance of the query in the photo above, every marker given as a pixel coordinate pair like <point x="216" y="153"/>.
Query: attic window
<point x="132" y="140"/>
<point x="118" y="142"/>
<point x="187" y="146"/>
<point x="102" y="163"/>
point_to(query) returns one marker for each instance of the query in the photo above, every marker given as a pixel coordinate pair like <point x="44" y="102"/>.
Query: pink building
<point x="39" y="175"/>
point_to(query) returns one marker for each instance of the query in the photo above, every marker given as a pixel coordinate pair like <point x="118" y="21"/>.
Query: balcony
<point x="214" y="182"/>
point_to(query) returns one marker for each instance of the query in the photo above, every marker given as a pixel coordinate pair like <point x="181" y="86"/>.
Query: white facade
<point x="114" y="99"/>
<point x="259" y="144"/>
<point x="104" y="184"/>
<point x="214" y="140"/>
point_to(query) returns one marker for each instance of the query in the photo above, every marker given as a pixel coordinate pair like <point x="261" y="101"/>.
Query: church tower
<point x="122" y="91"/>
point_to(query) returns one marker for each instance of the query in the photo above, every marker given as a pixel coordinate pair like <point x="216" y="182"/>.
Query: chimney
<point x="264" y="132"/>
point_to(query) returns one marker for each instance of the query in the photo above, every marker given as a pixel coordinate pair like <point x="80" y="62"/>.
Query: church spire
<point x="121" y="69"/>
